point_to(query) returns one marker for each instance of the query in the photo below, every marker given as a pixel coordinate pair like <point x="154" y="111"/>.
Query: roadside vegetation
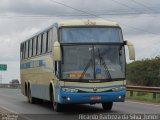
<point x="144" y="73"/>
<point x="141" y="96"/>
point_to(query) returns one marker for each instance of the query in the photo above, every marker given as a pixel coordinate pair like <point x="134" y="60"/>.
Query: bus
<point x="75" y="62"/>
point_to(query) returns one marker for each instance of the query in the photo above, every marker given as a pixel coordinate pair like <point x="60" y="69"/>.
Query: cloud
<point x="10" y="45"/>
<point x="19" y="19"/>
<point x="14" y="29"/>
<point x="145" y="46"/>
<point x="139" y="24"/>
<point x="50" y="7"/>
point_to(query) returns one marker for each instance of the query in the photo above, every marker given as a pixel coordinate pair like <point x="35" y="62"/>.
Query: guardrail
<point x="131" y="89"/>
<point x="16" y="86"/>
<point x="154" y="90"/>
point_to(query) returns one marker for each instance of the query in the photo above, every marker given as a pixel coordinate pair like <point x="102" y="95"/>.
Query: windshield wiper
<point x="105" y="66"/>
<point x="88" y="64"/>
<point x="85" y="69"/>
<point x="108" y="75"/>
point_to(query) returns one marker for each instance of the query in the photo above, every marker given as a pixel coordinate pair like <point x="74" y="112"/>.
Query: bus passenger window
<point x="41" y="43"/>
<point x="47" y="37"/>
<point x="37" y="45"/>
<point x="34" y="46"/>
<point x="50" y="40"/>
<point x="44" y="43"/>
<point x="30" y="48"/>
<point x="26" y="51"/>
<point x="21" y="51"/>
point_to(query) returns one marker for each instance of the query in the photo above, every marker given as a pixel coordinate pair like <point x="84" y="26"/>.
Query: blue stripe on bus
<point x="86" y="97"/>
<point x="40" y="62"/>
<point x="28" y="65"/>
<point x="33" y="64"/>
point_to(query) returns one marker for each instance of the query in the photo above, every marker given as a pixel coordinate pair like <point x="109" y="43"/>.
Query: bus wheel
<point x="30" y="98"/>
<point x="107" y="106"/>
<point x="56" y="106"/>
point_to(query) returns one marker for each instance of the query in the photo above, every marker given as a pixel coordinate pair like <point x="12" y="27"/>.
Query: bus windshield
<point x="93" y="62"/>
<point x="90" y="34"/>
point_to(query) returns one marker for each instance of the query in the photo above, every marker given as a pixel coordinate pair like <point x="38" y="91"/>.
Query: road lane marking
<point x="26" y="118"/>
<point x="13" y="112"/>
<point x="143" y="103"/>
<point x="9" y="110"/>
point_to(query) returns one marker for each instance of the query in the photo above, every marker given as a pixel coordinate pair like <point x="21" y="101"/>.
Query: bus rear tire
<point x="31" y="99"/>
<point x="107" y="106"/>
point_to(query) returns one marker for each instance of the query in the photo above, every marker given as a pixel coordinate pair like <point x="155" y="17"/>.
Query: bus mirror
<point x="131" y="50"/>
<point x="56" y="51"/>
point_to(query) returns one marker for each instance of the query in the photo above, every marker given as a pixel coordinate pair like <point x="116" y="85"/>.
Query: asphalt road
<point x="12" y="100"/>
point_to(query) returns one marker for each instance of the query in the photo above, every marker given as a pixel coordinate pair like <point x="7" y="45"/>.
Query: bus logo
<point x="94" y="88"/>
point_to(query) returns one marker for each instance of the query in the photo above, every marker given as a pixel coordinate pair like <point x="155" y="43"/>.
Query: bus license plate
<point x="95" y="97"/>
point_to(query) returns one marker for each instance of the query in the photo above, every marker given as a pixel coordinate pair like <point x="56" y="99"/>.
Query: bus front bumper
<point x="85" y="98"/>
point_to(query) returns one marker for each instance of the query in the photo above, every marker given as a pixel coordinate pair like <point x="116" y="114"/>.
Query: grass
<point x="141" y="96"/>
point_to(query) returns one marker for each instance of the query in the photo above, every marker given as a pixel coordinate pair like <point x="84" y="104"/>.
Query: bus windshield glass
<point x="93" y="62"/>
<point x="90" y="35"/>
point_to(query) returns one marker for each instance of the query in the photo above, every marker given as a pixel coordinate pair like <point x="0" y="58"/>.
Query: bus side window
<point x="39" y="45"/>
<point x="44" y="43"/>
<point x="47" y="37"/>
<point x="26" y="54"/>
<point x="50" y="37"/>
<point x="30" y="48"/>
<point x="24" y="49"/>
<point x="34" y="46"/>
<point x="21" y="51"/>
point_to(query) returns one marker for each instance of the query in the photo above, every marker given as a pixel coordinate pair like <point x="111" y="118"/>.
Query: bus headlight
<point x="118" y="89"/>
<point x="123" y="88"/>
<point x="69" y="90"/>
<point x="115" y="89"/>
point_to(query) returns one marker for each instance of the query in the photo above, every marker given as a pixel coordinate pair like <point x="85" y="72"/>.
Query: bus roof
<point x="86" y="22"/>
<point x="80" y="22"/>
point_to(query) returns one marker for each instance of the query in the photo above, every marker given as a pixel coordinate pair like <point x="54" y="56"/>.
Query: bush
<point x="144" y="72"/>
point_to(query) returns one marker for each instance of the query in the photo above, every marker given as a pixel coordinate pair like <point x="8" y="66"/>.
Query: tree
<point x="144" y="72"/>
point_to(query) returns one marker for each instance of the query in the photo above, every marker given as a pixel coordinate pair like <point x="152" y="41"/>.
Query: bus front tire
<point x="57" y="107"/>
<point x="107" y="106"/>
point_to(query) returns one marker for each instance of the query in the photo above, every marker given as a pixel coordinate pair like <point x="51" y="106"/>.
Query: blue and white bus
<point x="76" y="62"/>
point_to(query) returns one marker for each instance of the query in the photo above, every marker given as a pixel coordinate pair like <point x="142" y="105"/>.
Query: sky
<point x="19" y="19"/>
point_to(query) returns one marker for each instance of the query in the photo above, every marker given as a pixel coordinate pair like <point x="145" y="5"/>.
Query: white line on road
<point x="13" y="112"/>
<point x="9" y="110"/>
<point x="143" y="103"/>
